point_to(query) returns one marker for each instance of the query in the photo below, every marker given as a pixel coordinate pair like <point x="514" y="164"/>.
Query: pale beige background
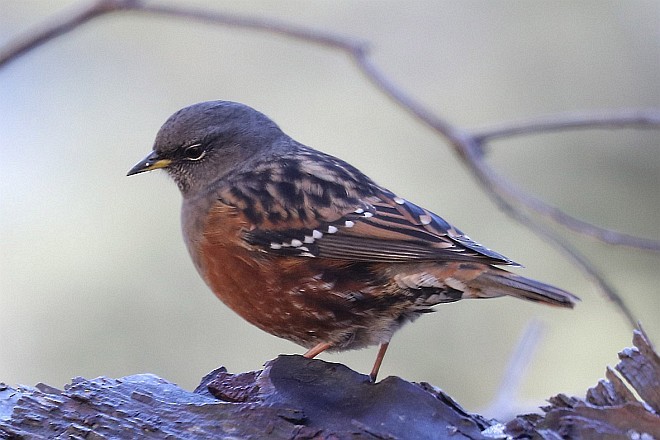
<point x="94" y="276"/>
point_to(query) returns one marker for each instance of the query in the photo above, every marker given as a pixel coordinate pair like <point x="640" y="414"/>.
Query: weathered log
<point x="298" y="398"/>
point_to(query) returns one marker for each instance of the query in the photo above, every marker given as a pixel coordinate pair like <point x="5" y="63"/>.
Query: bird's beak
<point x="151" y="162"/>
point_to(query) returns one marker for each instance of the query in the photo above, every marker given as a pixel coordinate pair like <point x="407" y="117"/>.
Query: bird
<point x="308" y="248"/>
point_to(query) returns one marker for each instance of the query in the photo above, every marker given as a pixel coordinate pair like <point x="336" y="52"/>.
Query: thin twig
<point x="255" y="23"/>
<point x="614" y="119"/>
<point x="605" y="235"/>
<point x="58" y="25"/>
<point x="503" y="403"/>
<point x="505" y="188"/>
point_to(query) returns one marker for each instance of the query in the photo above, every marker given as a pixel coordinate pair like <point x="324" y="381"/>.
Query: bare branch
<point x="507" y="189"/>
<point x="57" y="26"/>
<point x="613" y="119"/>
<point x="516" y="369"/>
<point x="638" y="118"/>
<point x="255" y="23"/>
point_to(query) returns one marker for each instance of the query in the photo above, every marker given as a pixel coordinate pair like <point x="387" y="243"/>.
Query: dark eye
<point x="194" y="152"/>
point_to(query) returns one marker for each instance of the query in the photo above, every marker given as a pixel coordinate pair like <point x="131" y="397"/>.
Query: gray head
<point x="200" y="144"/>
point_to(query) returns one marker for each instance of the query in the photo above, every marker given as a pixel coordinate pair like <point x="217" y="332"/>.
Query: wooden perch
<point x="298" y="398"/>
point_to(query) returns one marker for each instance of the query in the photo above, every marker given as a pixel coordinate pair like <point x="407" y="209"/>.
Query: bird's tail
<point x="499" y="282"/>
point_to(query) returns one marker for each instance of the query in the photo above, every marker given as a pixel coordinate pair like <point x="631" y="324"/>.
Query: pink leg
<point x="317" y="349"/>
<point x="379" y="360"/>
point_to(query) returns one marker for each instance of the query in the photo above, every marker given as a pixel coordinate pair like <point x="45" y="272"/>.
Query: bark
<point x="298" y="398"/>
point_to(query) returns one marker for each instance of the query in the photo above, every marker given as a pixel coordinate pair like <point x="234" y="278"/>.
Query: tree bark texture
<point x="298" y="398"/>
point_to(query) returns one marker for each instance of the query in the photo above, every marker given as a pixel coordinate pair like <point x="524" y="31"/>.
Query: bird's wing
<point x="372" y="227"/>
<point x="394" y="229"/>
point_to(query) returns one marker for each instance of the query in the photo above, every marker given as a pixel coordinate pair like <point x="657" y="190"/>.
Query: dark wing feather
<point x="310" y="204"/>
<point x="382" y="228"/>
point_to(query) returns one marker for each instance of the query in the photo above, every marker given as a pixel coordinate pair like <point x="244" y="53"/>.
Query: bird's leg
<point x="379" y="360"/>
<point x="317" y="349"/>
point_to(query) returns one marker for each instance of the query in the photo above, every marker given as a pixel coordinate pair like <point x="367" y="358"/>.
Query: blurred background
<point x="94" y="276"/>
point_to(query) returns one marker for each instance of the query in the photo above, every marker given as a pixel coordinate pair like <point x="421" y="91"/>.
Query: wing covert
<point x="380" y="228"/>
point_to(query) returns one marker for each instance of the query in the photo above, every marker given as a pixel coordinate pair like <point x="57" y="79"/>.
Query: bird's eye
<point x="194" y="152"/>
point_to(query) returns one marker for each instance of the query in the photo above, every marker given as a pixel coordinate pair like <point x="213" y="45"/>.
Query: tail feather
<point x="462" y="280"/>
<point x="498" y="282"/>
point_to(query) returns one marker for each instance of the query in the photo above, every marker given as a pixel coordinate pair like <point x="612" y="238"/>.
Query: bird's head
<point x="205" y="142"/>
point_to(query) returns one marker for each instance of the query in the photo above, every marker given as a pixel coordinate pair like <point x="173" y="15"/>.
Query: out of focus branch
<point x="612" y="119"/>
<point x="516" y="371"/>
<point x="56" y="26"/>
<point x="468" y="144"/>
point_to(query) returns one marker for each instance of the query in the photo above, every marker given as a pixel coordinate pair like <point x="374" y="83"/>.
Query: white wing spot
<point x="399" y="201"/>
<point x="359" y="211"/>
<point x="296" y="243"/>
<point x="317" y="234"/>
<point x="309" y="239"/>
<point x="332" y="229"/>
<point x="368" y="214"/>
<point x="275" y="246"/>
<point x="425" y="219"/>
<point x="349" y="224"/>
<point x="304" y="248"/>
